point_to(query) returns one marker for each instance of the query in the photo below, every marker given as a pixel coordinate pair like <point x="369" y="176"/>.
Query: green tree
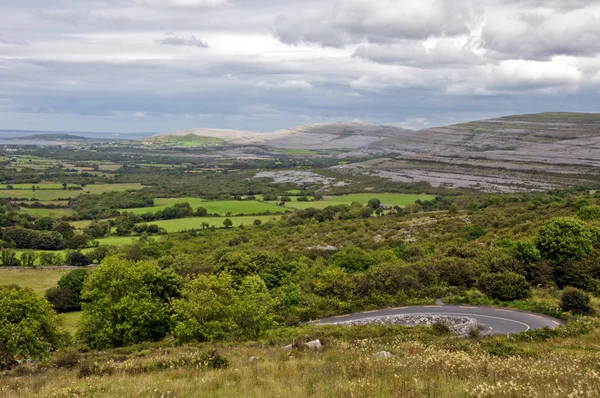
<point x="228" y="223"/>
<point x="73" y="281"/>
<point x="352" y="258"/>
<point x="126" y="302"/>
<point x="76" y="258"/>
<point x="29" y="328"/>
<point x="374" y="204"/>
<point x="564" y="238"/>
<point x="253" y="308"/>
<point x="62" y="300"/>
<point x="65" y="229"/>
<point x="205" y="310"/>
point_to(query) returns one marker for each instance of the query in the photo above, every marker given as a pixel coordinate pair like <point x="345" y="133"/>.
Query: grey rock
<point x="315" y="344"/>
<point x="288" y="347"/>
<point x="383" y="354"/>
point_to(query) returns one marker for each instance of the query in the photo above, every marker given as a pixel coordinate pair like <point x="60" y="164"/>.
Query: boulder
<point x="315" y="344"/>
<point x="383" y="354"/>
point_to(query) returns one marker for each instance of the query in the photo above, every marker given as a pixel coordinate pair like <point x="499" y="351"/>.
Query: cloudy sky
<point x="163" y="65"/>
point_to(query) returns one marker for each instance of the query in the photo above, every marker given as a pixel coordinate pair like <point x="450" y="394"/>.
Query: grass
<point x="39" y="280"/>
<point x="70" y="321"/>
<point x="53" y="186"/>
<point x="213" y="207"/>
<point x="420" y="366"/>
<point x="39" y="212"/>
<point x="48" y="194"/>
<point x="115" y="240"/>
<point x="182" y="224"/>
<point x="388" y="199"/>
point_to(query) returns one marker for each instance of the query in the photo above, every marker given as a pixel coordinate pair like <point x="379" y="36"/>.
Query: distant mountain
<point x="513" y="153"/>
<point x="328" y="136"/>
<point x="53" y="137"/>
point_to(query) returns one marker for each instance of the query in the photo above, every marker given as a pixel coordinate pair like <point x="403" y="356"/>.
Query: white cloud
<point x="286" y="84"/>
<point x="198" y="4"/>
<point x="415" y="53"/>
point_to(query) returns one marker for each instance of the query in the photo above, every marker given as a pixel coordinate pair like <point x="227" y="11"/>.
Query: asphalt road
<point x="490" y="319"/>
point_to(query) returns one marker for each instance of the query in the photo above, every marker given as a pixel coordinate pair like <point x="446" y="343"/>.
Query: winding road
<point x="490" y="319"/>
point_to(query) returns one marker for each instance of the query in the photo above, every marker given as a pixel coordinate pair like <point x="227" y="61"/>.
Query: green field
<point x="40" y="186"/>
<point x="70" y="321"/>
<point x="39" y="280"/>
<point x="388" y="199"/>
<point x="57" y="213"/>
<point x="182" y="224"/>
<point x="48" y="194"/>
<point x="115" y="240"/>
<point x="213" y="206"/>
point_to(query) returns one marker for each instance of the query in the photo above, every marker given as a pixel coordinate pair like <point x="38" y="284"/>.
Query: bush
<point x="76" y="259"/>
<point x="563" y="239"/>
<point x="63" y="300"/>
<point x="576" y="301"/>
<point x="588" y="213"/>
<point x="506" y="286"/>
<point x="67" y="358"/>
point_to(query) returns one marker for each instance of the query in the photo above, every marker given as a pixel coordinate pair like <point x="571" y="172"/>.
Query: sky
<point x="264" y="65"/>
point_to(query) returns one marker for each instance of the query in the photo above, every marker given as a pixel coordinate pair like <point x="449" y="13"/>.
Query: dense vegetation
<point x="219" y="284"/>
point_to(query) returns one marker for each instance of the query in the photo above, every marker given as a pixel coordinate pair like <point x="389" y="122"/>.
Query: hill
<point x="53" y="137"/>
<point x="513" y="153"/>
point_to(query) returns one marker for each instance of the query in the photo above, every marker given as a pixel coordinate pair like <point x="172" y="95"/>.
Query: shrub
<point x="63" y="300"/>
<point x="506" y="286"/>
<point x="591" y="212"/>
<point x="563" y="239"/>
<point x="67" y="358"/>
<point x="441" y="328"/>
<point x="76" y="259"/>
<point x="576" y="301"/>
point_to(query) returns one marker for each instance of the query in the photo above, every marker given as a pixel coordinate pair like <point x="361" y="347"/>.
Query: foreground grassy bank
<point x="423" y="364"/>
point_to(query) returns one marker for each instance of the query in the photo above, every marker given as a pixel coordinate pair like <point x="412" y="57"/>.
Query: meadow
<point x="221" y="207"/>
<point x="41" y="212"/>
<point x="421" y="365"/>
<point x="39" y="280"/>
<point x="54" y="194"/>
<point x="259" y="207"/>
<point x="388" y="199"/>
<point x="182" y="224"/>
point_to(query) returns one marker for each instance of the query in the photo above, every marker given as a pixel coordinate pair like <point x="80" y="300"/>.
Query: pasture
<point x="55" y="194"/>
<point x="182" y="224"/>
<point x="40" y="212"/>
<point x="221" y="207"/>
<point x="388" y="199"/>
<point x="37" y="279"/>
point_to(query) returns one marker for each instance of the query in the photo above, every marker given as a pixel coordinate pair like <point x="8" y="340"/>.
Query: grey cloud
<point x="192" y="41"/>
<point x="378" y="21"/>
<point x="540" y="36"/>
<point x="445" y="53"/>
<point x="185" y="4"/>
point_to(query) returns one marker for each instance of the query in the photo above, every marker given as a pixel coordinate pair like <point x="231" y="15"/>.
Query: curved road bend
<point x="490" y="319"/>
